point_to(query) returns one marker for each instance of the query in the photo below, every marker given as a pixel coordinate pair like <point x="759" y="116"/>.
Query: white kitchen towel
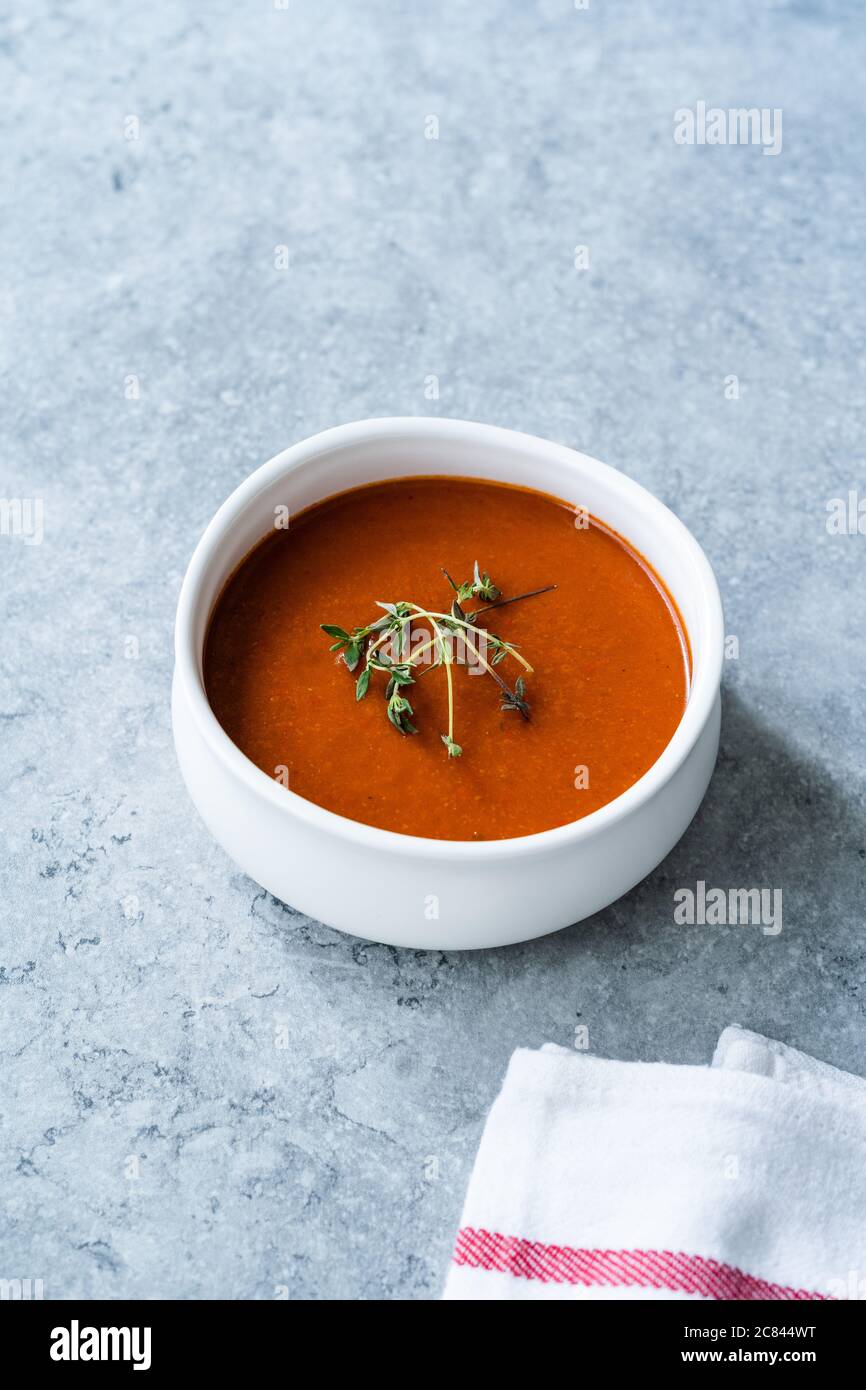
<point x="745" y="1179"/>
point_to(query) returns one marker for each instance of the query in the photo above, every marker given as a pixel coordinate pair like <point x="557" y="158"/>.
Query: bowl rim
<point x="704" y="686"/>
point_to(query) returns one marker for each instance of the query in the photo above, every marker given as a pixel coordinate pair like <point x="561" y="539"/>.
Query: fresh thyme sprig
<point x="517" y="701"/>
<point x="366" y="644"/>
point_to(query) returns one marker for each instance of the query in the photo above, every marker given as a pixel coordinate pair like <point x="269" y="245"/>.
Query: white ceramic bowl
<point x="402" y="889"/>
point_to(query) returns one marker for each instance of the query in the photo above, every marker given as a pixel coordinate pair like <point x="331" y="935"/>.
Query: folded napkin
<point x="630" y="1180"/>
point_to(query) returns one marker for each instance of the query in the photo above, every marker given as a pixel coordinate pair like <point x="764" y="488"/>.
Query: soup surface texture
<point x="609" y="653"/>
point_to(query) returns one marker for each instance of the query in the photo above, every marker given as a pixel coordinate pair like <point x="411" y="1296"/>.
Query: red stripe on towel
<point x="642" y="1269"/>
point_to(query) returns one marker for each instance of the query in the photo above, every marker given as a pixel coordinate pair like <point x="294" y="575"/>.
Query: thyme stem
<point x="501" y="602"/>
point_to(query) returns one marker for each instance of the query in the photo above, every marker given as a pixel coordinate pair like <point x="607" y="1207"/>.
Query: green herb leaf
<point x="516" y="699"/>
<point x="483" y="586"/>
<point x="398" y="711"/>
<point x="352" y="655"/>
<point x="362" y="683"/>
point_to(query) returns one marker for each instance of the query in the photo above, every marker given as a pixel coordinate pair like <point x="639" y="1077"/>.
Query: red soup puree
<point x="607" y="647"/>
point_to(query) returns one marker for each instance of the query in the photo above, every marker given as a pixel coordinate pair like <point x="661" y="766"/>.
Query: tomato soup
<point x="608" y="652"/>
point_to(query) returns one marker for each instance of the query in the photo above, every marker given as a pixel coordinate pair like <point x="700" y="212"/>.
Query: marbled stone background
<point x="156" y="1142"/>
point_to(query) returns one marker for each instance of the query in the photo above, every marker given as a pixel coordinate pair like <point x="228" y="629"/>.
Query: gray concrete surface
<point x="156" y="1139"/>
